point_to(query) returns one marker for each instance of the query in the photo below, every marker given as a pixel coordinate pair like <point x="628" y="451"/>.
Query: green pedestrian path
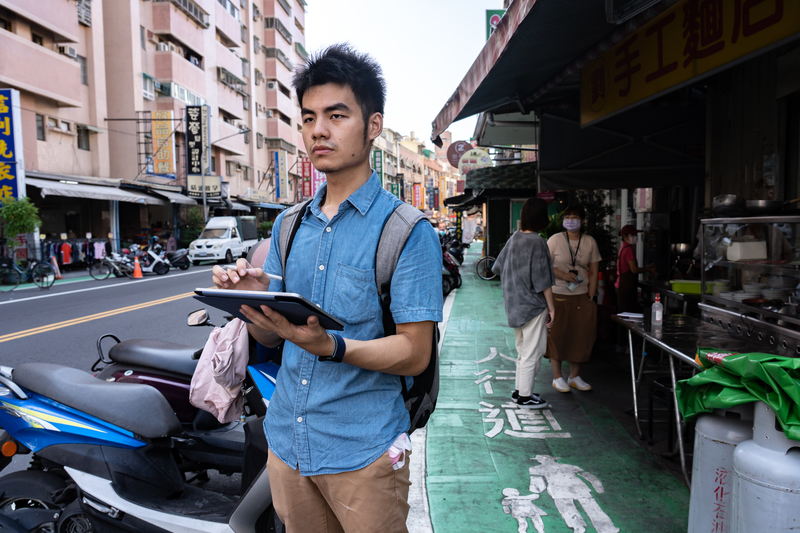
<point x="492" y="467"/>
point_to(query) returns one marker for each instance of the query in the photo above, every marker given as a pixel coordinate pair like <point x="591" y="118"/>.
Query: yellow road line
<point x="89" y="318"/>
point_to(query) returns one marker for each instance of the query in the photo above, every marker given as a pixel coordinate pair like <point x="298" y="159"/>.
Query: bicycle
<point x="103" y="268"/>
<point x="484" y="267"/>
<point x="11" y="274"/>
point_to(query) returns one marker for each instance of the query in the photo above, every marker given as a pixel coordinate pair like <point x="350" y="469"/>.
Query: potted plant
<point x="19" y="216"/>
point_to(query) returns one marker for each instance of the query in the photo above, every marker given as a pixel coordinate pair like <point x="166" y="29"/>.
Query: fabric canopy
<point x="519" y="176"/>
<point x="93" y="192"/>
<point x="533" y="42"/>
<point x="266" y="205"/>
<point x="174" y="197"/>
<point x="236" y="206"/>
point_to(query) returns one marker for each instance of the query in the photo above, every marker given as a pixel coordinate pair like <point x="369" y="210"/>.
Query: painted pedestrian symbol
<point x="522" y="508"/>
<point x="565" y="488"/>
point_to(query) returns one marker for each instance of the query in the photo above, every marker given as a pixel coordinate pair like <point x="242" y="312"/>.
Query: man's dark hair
<point x="341" y="65"/>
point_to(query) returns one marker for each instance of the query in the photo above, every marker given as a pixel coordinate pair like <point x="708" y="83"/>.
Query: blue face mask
<point x="572" y="224"/>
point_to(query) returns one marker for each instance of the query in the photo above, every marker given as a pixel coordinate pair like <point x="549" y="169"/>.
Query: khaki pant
<point x="372" y="499"/>
<point x="531" y="341"/>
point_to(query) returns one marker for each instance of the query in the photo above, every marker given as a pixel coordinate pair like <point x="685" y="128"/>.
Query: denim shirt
<point x="325" y="417"/>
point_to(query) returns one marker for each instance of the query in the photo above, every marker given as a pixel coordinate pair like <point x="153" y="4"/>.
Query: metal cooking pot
<point x="763" y="207"/>
<point x="682" y="249"/>
<point x="729" y="205"/>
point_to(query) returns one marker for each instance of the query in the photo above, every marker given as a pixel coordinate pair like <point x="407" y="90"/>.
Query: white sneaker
<point x="578" y="383"/>
<point x="560" y="385"/>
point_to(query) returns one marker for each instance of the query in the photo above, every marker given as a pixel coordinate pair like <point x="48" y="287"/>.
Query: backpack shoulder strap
<point x="289" y="225"/>
<point x="395" y="233"/>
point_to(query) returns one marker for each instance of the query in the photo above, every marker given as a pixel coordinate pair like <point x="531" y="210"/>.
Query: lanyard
<point x="573" y="257"/>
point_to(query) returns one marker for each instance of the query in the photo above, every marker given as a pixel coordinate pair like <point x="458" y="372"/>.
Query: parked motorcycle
<point x="179" y="259"/>
<point x="103" y="460"/>
<point x="152" y="259"/>
<point x="168" y="368"/>
<point x="451" y="277"/>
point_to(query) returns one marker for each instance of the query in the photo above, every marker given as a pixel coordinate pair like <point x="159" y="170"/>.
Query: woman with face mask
<point x="627" y="270"/>
<point x="576" y="261"/>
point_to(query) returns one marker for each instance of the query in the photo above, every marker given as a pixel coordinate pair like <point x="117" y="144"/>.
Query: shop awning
<point x="533" y="42"/>
<point x="93" y="192"/>
<point x="175" y="197"/>
<point x="519" y="176"/>
<point x="266" y="205"/>
<point x="236" y="206"/>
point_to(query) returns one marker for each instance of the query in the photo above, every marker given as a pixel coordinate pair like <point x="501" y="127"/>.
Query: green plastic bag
<point x="732" y="379"/>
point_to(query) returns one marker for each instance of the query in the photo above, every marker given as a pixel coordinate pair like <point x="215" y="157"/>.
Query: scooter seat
<point x="140" y="409"/>
<point x="155" y="354"/>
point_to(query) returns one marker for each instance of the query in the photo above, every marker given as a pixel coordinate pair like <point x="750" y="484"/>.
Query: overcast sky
<point x="424" y="47"/>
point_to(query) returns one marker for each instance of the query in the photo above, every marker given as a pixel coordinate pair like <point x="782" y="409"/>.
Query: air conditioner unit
<point x="151" y="36"/>
<point x="270" y="114"/>
<point x="272" y="85"/>
<point x="68" y="51"/>
<point x="162" y="47"/>
<point x="172" y="47"/>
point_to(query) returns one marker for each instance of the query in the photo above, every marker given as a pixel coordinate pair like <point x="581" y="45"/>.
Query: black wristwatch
<point x="594" y="298"/>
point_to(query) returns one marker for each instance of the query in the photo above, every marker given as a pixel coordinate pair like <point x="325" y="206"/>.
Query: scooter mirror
<point x="197" y="318"/>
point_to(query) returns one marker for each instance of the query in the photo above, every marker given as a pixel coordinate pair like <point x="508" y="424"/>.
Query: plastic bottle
<point x="658" y="312"/>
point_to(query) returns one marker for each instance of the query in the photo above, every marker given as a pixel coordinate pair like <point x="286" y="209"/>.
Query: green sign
<point x="377" y="162"/>
<point x="493" y="17"/>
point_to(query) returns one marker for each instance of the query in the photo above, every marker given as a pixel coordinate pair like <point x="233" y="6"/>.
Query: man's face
<point x="333" y="128"/>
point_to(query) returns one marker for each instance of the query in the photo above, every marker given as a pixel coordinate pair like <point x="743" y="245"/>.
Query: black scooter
<point x="179" y="259"/>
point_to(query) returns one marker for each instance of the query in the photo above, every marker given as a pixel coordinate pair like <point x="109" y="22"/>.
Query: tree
<point x="265" y="229"/>
<point x="193" y="226"/>
<point x="18" y="216"/>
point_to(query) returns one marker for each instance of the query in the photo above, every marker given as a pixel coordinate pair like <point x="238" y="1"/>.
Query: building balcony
<point x="229" y="100"/>
<point x="59" y="17"/>
<point x="300" y="15"/>
<point x="169" y="18"/>
<point x="228" y="60"/>
<point x="227" y="25"/>
<point x="33" y="68"/>
<point x="230" y="138"/>
<point x="277" y="100"/>
<point x="173" y="67"/>
<point x="278" y="129"/>
<point x="275" y="70"/>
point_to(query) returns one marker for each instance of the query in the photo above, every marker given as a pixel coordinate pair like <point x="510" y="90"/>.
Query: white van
<point x="224" y="239"/>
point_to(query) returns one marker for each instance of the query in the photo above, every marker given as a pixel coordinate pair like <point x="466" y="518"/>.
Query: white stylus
<point x="273" y="276"/>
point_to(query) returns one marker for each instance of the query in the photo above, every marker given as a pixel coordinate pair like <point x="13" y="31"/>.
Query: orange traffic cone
<point x="55" y="268"/>
<point x="137" y="270"/>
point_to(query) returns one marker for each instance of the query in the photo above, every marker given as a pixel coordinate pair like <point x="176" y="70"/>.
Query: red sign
<point x="306" y="162"/>
<point x="460" y="186"/>
<point x="307" y="187"/>
<point x="417" y="195"/>
<point x="456" y="150"/>
<point x="547" y="196"/>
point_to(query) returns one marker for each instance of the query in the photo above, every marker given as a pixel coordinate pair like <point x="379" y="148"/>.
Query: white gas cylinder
<point x="766" y="479"/>
<point x="716" y="437"/>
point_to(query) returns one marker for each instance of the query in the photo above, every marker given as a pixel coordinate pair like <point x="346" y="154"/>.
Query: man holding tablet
<point x="337" y="422"/>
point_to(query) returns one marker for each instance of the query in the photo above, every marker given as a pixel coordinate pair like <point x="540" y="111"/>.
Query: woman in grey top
<point x="526" y="272"/>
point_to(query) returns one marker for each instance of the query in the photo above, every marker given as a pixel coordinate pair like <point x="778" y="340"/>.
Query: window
<point x="213" y="164"/>
<point x="259" y="140"/>
<point x="83" y="139"/>
<point x="40" y="127"/>
<point x="230" y="168"/>
<point x="84" y="12"/>
<point x="37" y="39"/>
<point x="52" y="123"/>
<point x="66" y="126"/>
<point x="256" y="45"/>
<point x="84" y="73"/>
<point x="142" y="36"/>
<point x="5" y="24"/>
<point x="148" y="87"/>
<point x="245" y="68"/>
<point x="244" y="34"/>
<point x="272" y="23"/>
<point x="247" y="137"/>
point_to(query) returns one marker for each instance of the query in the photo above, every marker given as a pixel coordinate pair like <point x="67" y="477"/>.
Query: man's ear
<point x="374" y="126"/>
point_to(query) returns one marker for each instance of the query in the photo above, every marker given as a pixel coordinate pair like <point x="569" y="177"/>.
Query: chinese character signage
<point x="460" y="186"/>
<point x="196" y="140"/>
<point x="163" y="145"/>
<point x="12" y="166"/>
<point x="306" y="165"/>
<point x="257" y="195"/>
<point x="691" y="39"/>
<point x="417" y="195"/>
<point x="317" y="179"/>
<point x="281" y="175"/>
<point x="377" y="163"/>
<point x="307" y="187"/>
<point x="194" y="184"/>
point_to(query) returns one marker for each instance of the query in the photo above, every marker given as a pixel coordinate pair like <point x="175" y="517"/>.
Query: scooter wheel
<point x="161" y="269"/>
<point x="185" y="265"/>
<point x="457" y="281"/>
<point x="446" y="286"/>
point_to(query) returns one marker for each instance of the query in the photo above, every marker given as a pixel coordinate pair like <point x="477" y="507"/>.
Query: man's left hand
<point x="312" y="337"/>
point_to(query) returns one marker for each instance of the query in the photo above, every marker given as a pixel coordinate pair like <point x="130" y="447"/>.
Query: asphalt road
<point x="61" y="325"/>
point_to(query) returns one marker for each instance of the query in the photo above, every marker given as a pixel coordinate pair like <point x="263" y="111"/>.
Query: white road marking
<point x="173" y="276"/>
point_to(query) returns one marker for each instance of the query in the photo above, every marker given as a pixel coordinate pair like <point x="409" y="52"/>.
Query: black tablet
<point x="294" y="307"/>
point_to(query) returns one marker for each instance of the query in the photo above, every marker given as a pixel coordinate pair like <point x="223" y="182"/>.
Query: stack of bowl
<point x="782" y="282"/>
<point x="719" y="286"/>
<point x="771" y="293"/>
<point x="753" y="290"/>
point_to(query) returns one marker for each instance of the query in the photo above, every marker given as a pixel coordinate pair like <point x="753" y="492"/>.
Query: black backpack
<point x="420" y="399"/>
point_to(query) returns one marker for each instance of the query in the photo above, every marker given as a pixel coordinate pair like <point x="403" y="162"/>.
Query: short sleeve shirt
<point x="324" y="417"/>
<point x="625" y="256"/>
<point x="587" y="253"/>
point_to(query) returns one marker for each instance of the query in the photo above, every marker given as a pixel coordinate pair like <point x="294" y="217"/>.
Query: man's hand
<point x="312" y="337"/>
<point x="551" y="317"/>
<point x="244" y="277"/>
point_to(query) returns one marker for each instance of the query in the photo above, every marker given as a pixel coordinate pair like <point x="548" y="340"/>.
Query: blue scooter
<point x="103" y="459"/>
